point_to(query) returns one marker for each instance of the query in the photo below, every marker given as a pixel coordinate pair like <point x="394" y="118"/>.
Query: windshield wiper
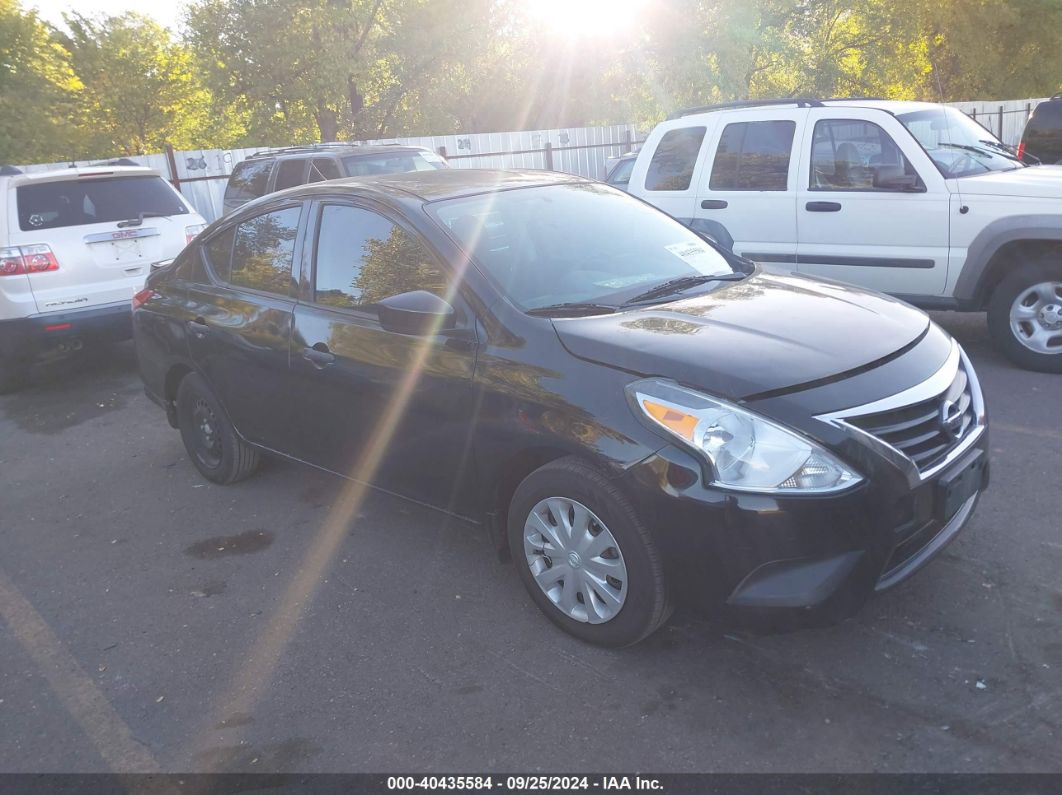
<point x="672" y="286"/>
<point x="571" y="309"/>
<point x="140" y="219"/>
<point x="1006" y="149"/>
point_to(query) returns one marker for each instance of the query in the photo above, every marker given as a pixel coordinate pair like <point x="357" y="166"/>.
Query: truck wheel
<point x="14" y="373"/>
<point x="1025" y="316"/>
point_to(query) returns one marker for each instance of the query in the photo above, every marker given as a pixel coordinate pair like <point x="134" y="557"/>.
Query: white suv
<point x="909" y="198"/>
<point x="75" y="245"/>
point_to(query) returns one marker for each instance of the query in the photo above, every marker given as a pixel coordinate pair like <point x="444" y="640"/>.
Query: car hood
<point x="768" y="332"/>
<point x="1040" y="182"/>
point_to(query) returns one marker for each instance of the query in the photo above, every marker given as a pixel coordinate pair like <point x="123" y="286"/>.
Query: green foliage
<point x="251" y="72"/>
<point x="140" y="88"/>
<point x="38" y="90"/>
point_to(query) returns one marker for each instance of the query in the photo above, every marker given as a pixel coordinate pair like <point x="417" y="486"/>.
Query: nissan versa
<point x="637" y="416"/>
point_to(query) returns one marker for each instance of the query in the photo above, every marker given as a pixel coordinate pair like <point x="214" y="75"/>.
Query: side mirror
<point x="418" y="313"/>
<point x="895" y="178"/>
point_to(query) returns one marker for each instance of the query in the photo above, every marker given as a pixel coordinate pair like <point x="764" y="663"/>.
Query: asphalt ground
<point x="153" y="621"/>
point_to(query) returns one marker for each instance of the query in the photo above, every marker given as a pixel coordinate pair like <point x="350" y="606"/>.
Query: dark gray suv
<point x="276" y="169"/>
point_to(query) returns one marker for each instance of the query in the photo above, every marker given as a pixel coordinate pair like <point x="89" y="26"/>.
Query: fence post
<point x="1001" y="122"/>
<point x="630" y="140"/>
<point x="549" y="155"/>
<point x="171" y="161"/>
<point x="973" y="114"/>
<point x="442" y="151"/>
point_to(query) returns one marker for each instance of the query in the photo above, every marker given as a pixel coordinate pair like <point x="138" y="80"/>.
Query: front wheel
<point x="1025" y="316"/>
<point x="584" y="555"/>
<point x="212" y="443"/>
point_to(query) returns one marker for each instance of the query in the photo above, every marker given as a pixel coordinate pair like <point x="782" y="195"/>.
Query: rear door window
<point x="290" y="173"/>
<point x="263" y="252"/>
<point x="75" y="202"/>
<point x="675" y="159"/>
<point x="248" y="181"/>
<point x="753" y="155"/>
<point x="322" y="168"/>
<point x="363" y="258"/>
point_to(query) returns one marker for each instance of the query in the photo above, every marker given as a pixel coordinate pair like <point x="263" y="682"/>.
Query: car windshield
<point x="575" y="244"/>
<point x="75" y="202"/>
<point x="958" y="145"/>
<point x="392" y="163"/>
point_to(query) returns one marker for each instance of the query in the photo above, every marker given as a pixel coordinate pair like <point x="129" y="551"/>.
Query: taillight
<point x="27" y="259"/>
<point x="190" y="232"/>
<point x="142" y="297"/>
<point x="39" y="259"/>
<point x="1021" y="151"/>
<point x="11" y="262"/>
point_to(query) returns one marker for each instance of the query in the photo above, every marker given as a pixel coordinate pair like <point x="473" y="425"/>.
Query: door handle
<point x="823" y="207"/>
<point x="198" y="327"/>
<point x="319" y="357"/>
<point x="714" y="204"/>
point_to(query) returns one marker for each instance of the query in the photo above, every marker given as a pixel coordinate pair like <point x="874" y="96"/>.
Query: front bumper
<point x="816" y="557"/>
<point x="28" y="337"/>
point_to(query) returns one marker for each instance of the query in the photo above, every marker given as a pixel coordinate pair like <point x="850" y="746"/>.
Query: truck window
<point x="674" y="159"/>
<point x="753" y="155"/>
<point x="248" y="181"/>
<point x="290" y="173"/>
<point x="849" y="154"/>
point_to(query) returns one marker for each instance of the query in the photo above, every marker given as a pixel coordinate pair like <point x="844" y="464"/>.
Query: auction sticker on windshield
<point x="697" y="255"/>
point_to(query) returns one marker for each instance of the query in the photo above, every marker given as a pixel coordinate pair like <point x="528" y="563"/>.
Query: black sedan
<point x="637" y="416"/>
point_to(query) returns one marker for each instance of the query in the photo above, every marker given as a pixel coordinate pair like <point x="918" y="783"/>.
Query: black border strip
<point x="854" y="262"/>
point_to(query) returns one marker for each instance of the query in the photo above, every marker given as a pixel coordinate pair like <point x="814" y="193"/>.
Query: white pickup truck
<point x="912" y="199"/>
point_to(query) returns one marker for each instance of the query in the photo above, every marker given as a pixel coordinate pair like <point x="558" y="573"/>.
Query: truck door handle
<point x="319" y="356"/>
<point x="714" y="204"/>
<point x="823" y="207"/>
<point x="198" y="327"/>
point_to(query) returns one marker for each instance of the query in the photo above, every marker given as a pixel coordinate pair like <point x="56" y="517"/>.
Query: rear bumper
<point x="28" y="337"/>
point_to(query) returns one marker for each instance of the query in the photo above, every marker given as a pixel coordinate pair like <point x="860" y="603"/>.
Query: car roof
<point x="63" y="174"/>
<point x="428" y="186"/>
<point x="344" y="150"/>
<point x="893" y="106"/>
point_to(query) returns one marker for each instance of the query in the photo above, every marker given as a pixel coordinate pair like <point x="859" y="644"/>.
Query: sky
<point x="166" y="12"/>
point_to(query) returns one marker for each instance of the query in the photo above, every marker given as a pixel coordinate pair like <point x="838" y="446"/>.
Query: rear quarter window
<point x="77" y="202"/>
<point x="218" y="251"/>
<point x="248" y="181"/>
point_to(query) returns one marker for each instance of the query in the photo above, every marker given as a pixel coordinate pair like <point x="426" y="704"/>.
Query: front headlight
<point x="746" y="451"/>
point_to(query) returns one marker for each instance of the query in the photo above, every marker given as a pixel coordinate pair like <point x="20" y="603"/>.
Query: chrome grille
<point x="928" y="430"/>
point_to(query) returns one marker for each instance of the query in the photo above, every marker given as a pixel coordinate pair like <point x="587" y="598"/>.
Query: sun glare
<point x="577" y="19"/>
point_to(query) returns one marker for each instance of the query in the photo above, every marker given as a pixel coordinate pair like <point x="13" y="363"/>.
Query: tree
<point x="140" y="89"/>
<point x="38" y="90"/>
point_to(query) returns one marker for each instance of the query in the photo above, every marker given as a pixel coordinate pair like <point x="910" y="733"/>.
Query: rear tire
<point x="212" y="443"/>
<point x="14" y="374"/>
<point x="1025" y="316"/>
<point x="601" y="577"/>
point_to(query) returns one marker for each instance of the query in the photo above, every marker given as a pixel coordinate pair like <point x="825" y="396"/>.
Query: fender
<point x="713" y="229"/>
<point x="994" y="236"/>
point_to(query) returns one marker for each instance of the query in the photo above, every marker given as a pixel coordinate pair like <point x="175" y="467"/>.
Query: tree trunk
<point x="327" y="122"/>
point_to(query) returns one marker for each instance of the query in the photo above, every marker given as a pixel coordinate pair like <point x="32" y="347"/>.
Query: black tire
<point x="14" y="374"/>
<point x="219" y="454"/>
<point x="999" y="307"/>
<point x="647" y="604"/>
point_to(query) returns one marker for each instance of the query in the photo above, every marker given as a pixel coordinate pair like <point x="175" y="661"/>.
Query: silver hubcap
<point x="575" y="560"/>
<point x="1036" y="318"/>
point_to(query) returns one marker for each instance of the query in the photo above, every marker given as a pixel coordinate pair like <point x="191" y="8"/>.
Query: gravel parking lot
<point x="155" y="621"/>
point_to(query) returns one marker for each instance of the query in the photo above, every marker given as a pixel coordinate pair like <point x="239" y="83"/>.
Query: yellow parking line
<point x="78" y="694"/>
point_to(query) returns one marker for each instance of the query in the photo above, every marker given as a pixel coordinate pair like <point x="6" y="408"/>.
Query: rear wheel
<point x="584" y="555"/>
<point x="1025" y="316"/>
<point x="14" y="373"/>
<point x="210" y="439"/>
